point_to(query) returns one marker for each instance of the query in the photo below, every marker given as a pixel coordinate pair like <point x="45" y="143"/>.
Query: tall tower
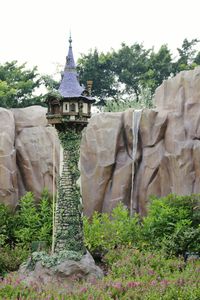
<point x="69" y="113"/>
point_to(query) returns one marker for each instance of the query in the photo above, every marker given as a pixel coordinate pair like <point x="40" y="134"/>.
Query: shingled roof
<point x="70" y="86"/>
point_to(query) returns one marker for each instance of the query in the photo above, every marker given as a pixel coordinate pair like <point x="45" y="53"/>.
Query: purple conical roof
<point x="70" y="86"/>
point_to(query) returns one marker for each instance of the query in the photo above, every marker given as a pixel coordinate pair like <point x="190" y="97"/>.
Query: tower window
<point x="66" y="106"/>
<point x="72" y="107"/>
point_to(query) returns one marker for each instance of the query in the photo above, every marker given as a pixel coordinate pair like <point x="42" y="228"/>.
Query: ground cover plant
<point x="156" y="257"/>
<point x="132" y="274"/>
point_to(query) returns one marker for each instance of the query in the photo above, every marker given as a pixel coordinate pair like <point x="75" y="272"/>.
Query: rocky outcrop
<point x="26" y="149"/>
<point x="8" y="167"/>
<point x="64" y="272"/>
<point x="167" y="141"/>
<point x="125" y="156"/>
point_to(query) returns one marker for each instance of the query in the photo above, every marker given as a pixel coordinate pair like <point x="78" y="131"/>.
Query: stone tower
<point x="69" y="112"/>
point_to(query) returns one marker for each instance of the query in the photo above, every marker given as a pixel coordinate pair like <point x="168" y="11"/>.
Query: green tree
<point x="130" y="65"/>
<point x="17" y="85"/>
<point x="98" y="67"/>
<point x="187" y="56"/>
<point x="50" y="83"/>
<point x="197" y="59"/>
<point x="160" y="67"/>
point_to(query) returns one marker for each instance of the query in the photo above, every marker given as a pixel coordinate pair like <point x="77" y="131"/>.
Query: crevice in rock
<point x="153" y="176"/>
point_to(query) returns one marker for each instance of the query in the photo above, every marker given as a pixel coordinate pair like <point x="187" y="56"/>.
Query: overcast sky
<point x="37" y="31"/>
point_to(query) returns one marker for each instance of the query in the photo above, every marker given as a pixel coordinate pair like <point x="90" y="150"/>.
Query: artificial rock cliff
<point x="126" y="160"/>
<point x="26" y="146"/>
<point x="125" y="156"/>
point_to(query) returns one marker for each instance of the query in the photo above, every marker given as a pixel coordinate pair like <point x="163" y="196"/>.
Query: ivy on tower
<point x="69" y="112"/>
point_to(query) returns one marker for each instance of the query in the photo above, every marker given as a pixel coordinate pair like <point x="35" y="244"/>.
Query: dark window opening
<point x="72" y="107"/>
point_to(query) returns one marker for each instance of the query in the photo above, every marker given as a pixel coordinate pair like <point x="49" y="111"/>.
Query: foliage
<point x="132" y="69"/>
<point x="130" y="65"/>
<point x="103" y="232"/>
<point x="31" y="222"/>
<point x="70" y="140"/>
<point x="5" y="221"/>
<point x="145" y="101"/>
<point x="188" y="58"/>
<point x="51" y="260"/>
<point x="50" y="83"/>
<point x="27" y="220"/>
<point x="160" y="67"/>
<point x="98" y="67"/>
<point x="17" y="85"/>
<point x="44" y="209"/>
<point x="11" y="258"/>
<point x="131" y="274"/>
<point x="69" y="230"/>
<point x="173" y="222"/>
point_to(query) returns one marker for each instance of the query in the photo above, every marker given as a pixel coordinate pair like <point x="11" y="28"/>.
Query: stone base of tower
<point x="43" y="274"/>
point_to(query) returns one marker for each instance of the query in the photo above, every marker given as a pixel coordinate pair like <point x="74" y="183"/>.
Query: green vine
<point x="70" y="140"/>
<point x="53" y="260"/>
<point x="69" y="230"/>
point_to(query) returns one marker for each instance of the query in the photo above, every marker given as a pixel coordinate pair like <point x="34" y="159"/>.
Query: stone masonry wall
<point x="68" y="222"/>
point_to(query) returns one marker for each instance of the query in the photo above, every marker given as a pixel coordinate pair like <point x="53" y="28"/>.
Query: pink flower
<point x="153" y="282"/>
<point x="132" y="284"/>
<point x="83" y="290"/>
<point x="151" y="272"/>
<point x="164" y="282"/>
<point x="117" y="285"/>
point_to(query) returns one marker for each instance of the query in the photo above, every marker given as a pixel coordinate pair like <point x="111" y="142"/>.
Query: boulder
<point x="63" y="273"/>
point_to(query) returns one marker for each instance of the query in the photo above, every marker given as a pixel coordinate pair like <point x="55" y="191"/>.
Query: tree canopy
<point x="127" y="73"/>
<point x="17" y="85"/>
<point x="132" y="69"/>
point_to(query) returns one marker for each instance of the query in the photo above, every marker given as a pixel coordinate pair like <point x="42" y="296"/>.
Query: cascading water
<point x="135" y="127"/>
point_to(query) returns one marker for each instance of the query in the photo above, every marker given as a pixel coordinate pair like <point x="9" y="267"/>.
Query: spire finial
<point x="70" y="39"/>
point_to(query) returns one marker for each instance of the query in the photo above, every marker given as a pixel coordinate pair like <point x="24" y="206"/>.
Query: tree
<point x="187" y="56"/>
<point x="160" y="67"/>
<point x="197" y="59"/>
<point x="98" y="67"/>
<point x="17" y="85"/>
<point x="130" y="65"/>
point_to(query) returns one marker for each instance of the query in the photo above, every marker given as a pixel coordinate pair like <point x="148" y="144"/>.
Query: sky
<point x="37" y="31"/>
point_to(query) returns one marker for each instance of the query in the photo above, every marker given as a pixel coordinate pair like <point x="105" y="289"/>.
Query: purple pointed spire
<point x="70" y="86"/>
<point x="70" y="63"/>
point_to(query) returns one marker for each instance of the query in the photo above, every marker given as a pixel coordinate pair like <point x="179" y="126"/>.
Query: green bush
<point x="31" y="222"/>
<point x="12" y="258"/>
<point x="173" y="223"/>
<point x="106" y="232"/>
<point x="6" y="216"/>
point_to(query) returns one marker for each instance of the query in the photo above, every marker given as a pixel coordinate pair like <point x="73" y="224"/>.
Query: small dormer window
<point x="72" y="107"/>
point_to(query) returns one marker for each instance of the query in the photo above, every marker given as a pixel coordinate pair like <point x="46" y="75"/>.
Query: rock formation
<point x="65" y="272"/>
<point x="26" y="145"/>
<point x="125" y="156"/>
<point x="167" y="141"/>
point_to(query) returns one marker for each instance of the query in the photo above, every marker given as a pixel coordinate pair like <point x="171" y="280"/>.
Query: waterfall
<point x="135" y="127"/>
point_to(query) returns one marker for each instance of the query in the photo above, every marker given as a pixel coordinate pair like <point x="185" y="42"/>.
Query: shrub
<point x="12" y="258"/>
<point x="106" y="232"/>
<point x="33" y="222"/>
<point x="30" y="223"/>
<point x="173" y="223"/>
<point x="5" y="224"/>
